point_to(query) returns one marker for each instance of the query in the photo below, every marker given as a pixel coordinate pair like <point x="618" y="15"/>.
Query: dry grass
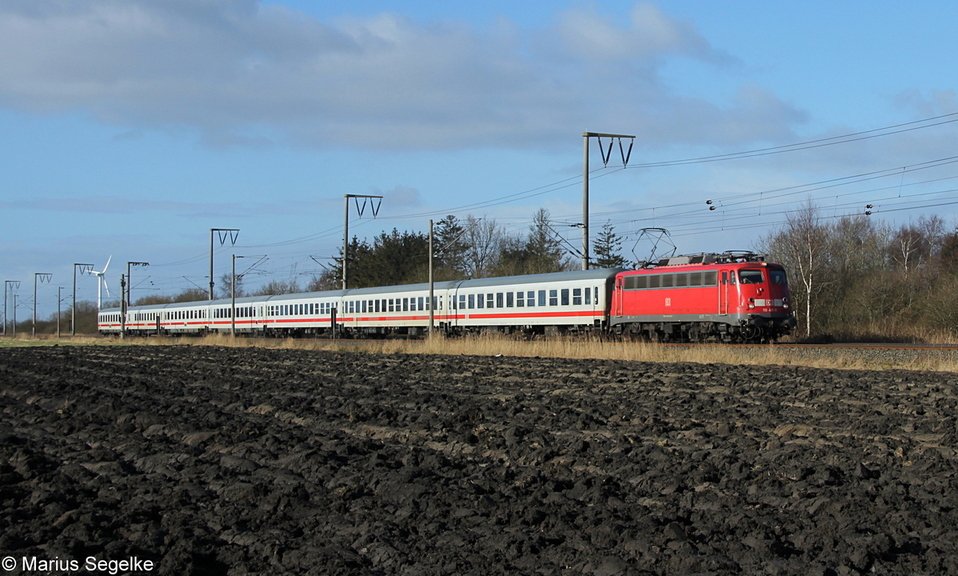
<point x="493" y="345"/>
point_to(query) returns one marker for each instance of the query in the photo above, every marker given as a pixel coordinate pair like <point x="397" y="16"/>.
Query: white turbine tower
<point x="101" y="282"/>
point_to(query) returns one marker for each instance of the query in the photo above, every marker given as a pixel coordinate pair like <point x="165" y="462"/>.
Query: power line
<point x="821" y="142"/>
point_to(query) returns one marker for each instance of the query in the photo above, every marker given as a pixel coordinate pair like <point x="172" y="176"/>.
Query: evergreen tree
<point x="545" y="251"/>
<point x="607" y="248"/>
<point x="401" y="258"/>
<point x="449" y="249"/>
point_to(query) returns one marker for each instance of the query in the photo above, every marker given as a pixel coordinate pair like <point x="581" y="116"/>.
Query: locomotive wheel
<point x="751" y="333"/>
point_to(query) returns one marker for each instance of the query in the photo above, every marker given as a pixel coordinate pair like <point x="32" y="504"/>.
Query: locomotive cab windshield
<point x="750" y="276"/>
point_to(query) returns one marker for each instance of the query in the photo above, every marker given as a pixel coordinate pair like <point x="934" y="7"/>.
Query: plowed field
<point x="206" y="460"/>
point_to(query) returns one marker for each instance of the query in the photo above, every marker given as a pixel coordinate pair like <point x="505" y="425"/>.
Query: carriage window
<point x="498" y="299"/>
<point x="577" y="296"/>
<point x="480" y="301"/>
<point x="588" y="295"/>
<point x="521" y="299"/>
<point x="542" y="297"/>
<point x="553" y="297"/>
<point x="530" y="298"/>
<point x="750" y="276"/>
<point x="509" y="299"/>
<point x="472" y="301"/>
<point x="565" y="296"/>
<point x="489" y="300"/>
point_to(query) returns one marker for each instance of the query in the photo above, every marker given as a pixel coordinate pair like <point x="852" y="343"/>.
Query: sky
<point x="131" y="128"/>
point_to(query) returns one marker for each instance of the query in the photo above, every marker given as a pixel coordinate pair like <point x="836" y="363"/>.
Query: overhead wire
<point x="732" y="200"/>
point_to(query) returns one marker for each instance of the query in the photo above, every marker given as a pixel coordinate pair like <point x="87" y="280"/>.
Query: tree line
<point x="857" y="278"/>
<point x="468" y="248"/>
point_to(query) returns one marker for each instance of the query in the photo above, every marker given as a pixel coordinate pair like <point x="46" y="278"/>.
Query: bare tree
<point x="803" y="247"/>
<point x="484" y="240"/>
<point x="913" y="244"/>
<point x="226" y="286"/>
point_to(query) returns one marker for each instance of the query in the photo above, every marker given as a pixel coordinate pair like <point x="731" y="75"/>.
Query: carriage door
<point x="617" y="296"/>
<point x="723" y="293"/>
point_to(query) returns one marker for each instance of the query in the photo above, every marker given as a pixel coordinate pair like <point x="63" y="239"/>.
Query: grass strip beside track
<point x="836" y="357"/>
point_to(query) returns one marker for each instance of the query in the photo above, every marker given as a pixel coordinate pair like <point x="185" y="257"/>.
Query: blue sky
<point x="132" y="127"/>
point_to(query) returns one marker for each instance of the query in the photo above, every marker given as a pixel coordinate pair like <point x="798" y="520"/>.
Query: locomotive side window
<point x="750" y="276"/>
<point x="695" y="279"/>
<point x="681" y="280"/>
<point x="710" y="278"/>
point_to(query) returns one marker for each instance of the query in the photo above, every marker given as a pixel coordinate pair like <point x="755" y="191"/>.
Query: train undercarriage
<point x="755" y="329"/>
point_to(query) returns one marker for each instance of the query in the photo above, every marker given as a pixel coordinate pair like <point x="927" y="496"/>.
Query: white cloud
<point x="651" y="35"/>
<point x="243" y="73"/>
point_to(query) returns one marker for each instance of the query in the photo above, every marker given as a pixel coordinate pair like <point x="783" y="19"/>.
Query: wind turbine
<point x="101" y="282"/>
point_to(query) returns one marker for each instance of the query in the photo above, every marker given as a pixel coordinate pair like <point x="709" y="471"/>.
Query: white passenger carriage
<point x="537" y="303"/>
<point x="540" y="303"/>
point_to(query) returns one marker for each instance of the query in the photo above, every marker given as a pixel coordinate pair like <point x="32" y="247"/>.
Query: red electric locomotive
<point x="732" y="297"/>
